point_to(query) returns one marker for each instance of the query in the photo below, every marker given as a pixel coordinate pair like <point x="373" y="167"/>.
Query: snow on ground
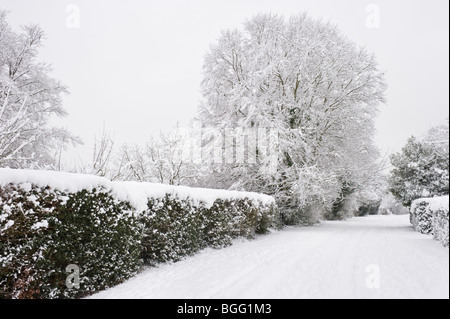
<point x="366" y="257"/>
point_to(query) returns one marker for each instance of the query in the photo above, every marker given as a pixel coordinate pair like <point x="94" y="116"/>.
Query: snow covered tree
<point x="421" y="169"/>
<point x="318" y="89"/>
<point x="391" y="206"/>
<point x="160" y="161"/>
<point x="102" y="157"/>
<point x="29" y="97"/>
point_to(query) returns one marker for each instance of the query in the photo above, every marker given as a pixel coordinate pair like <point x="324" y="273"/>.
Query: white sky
<point x="135" y="66"/>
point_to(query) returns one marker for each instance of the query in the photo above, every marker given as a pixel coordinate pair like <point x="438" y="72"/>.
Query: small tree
<point x="421" y="169"/>
<point x="102" y="157"/>
<point x="160" y="161"/>
<point x="29" y="97"/>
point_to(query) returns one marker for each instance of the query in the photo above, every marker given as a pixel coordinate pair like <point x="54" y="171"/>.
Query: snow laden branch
<point x="160" y="160"/>
<point x="28" y="98"/>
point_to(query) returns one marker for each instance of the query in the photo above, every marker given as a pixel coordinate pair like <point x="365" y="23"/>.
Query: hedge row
<point x="440" y="225"/>
<point x="431" y="216"/>
<point x="175" y="228"/>
<point x="43" y="230"/>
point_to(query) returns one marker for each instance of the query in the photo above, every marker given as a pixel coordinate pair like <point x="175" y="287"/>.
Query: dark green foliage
<point x="369" y="209"/>
<point x="175" y="228"/>
<point x="218" y="229"/>
<point x="421" y="217"/>
<point x="337" y="212"/>
<point x="440" y="224"/>
<point x="89" y="229"/>
<point x="296" y="213"/>
<point x="297" y="216"/>
<point x="172" y="230"/>
<point x="429" y="218"/>
<point x="21" y="246"/>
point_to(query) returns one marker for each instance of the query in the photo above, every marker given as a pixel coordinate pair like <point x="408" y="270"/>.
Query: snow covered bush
<point x="440" y="221"/>
<point x="420" y="216"/>
<point x="175" y="228"/>
<point x="430" y="216"/>
<point x="172" y="229"/>
<point x="369" y="209"/>
<point x="43" y="230"/>
<point x="440" y="224"/>
<point x="421" y="169"/>
<point x="228" y="219"/>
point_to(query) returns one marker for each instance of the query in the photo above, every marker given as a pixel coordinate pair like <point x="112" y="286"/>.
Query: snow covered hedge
<point x="430" y="216"/>
<point x="176" y="227"/>
<point x="49" y="220"/>
<point x="43" y="230"/>
<point x="421" y="216"/>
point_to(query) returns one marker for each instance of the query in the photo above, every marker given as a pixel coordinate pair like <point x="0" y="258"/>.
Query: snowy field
<point x="368" y="257"/>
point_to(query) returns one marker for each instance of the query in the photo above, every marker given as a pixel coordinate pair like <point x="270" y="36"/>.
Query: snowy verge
<point x="431" y="216"/>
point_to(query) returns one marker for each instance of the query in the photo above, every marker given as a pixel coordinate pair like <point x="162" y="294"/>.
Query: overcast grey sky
<point x="136" y="65"/>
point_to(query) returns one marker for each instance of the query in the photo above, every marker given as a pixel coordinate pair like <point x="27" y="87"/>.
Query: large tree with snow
<point x="29" y="97"/>
<point x="317" y="89"/>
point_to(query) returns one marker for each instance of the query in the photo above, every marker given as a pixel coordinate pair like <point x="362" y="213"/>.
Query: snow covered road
<point x="367" y="257"/>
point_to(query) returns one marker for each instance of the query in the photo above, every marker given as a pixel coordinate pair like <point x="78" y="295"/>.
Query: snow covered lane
<point x="368" y="257"/>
